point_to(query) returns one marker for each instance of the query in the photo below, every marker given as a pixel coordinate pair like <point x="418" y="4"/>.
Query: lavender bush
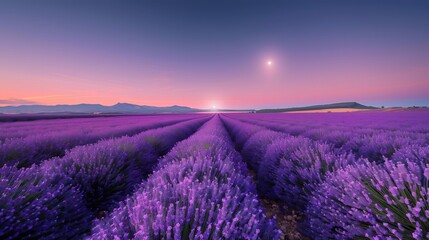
<point x="254" y="148"/>
<point x="301" y="171"/>
<point x="38" y="205"/>
<point x="413" y="153"/>
<point x="279" y="149"/>
<point x="372" y="201"/>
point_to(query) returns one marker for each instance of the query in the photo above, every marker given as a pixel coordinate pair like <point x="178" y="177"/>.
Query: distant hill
<point x="349" y="105"/>
<point x="127" y="108"/>
<point x="96" y="108"/>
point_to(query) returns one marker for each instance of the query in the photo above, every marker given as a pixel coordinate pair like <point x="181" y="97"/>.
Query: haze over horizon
<point x="228" y="54"/>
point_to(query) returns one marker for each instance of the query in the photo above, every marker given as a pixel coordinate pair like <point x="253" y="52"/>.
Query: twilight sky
<point x="214" y="53"/>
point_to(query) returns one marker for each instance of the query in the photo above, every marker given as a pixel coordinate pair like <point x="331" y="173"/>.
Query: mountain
<point x="96" y="108"/>
<point x="352" y="105"/>
<point x="128" y="108"/>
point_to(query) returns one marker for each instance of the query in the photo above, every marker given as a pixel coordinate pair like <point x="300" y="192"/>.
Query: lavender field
<point x="362" y="175"/>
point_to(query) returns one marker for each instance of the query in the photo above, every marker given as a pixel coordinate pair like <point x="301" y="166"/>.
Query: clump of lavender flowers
<point x="255" y="147"/>
<point x="282" y="148"/>
<point x="38" y="205"/>
<point x="300" y="172"/>
<point x="414" y="153"/>
<point x="372" y="201"/>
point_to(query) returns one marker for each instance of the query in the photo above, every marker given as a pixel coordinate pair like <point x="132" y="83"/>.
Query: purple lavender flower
<point x="39" y="205"/>
<point x="372" y="201"/>
<point x="414" y="153"/>
<point x="300" y="172"/>
<point x="282" y="148"/>
<point x="254" y="149"/>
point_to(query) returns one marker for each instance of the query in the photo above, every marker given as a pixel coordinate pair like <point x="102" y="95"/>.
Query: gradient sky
<point x="214" y="53"/>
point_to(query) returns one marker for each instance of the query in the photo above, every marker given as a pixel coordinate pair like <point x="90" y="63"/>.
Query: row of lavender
<point x="60" y="198"/>
<point x="368" y="142"/>
<point x="200" y="190"/>
<point x="26" y="143"/>
<point x="411" y="120"/>
<point x="342" y="196"/>
<point x="24" y="129"/>
<point x="34" y="117"/>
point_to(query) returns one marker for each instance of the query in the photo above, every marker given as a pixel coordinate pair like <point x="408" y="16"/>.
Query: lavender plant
<point x="372" y="201"/>
<point x="281" y="148"/>
<point x="414" y="153"/>
<point x="254" y="149"/>
<point x="38" y="205"/>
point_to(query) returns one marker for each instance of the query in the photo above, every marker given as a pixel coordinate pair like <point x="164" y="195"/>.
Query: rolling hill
<point x="345" y="105"/>
<point x="96" y="108"/>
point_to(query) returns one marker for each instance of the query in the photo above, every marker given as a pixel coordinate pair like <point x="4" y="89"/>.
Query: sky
<point x="214" y="53"/>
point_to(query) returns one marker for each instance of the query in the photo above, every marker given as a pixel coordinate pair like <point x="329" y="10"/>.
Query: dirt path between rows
<point x="287" y="219"/>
